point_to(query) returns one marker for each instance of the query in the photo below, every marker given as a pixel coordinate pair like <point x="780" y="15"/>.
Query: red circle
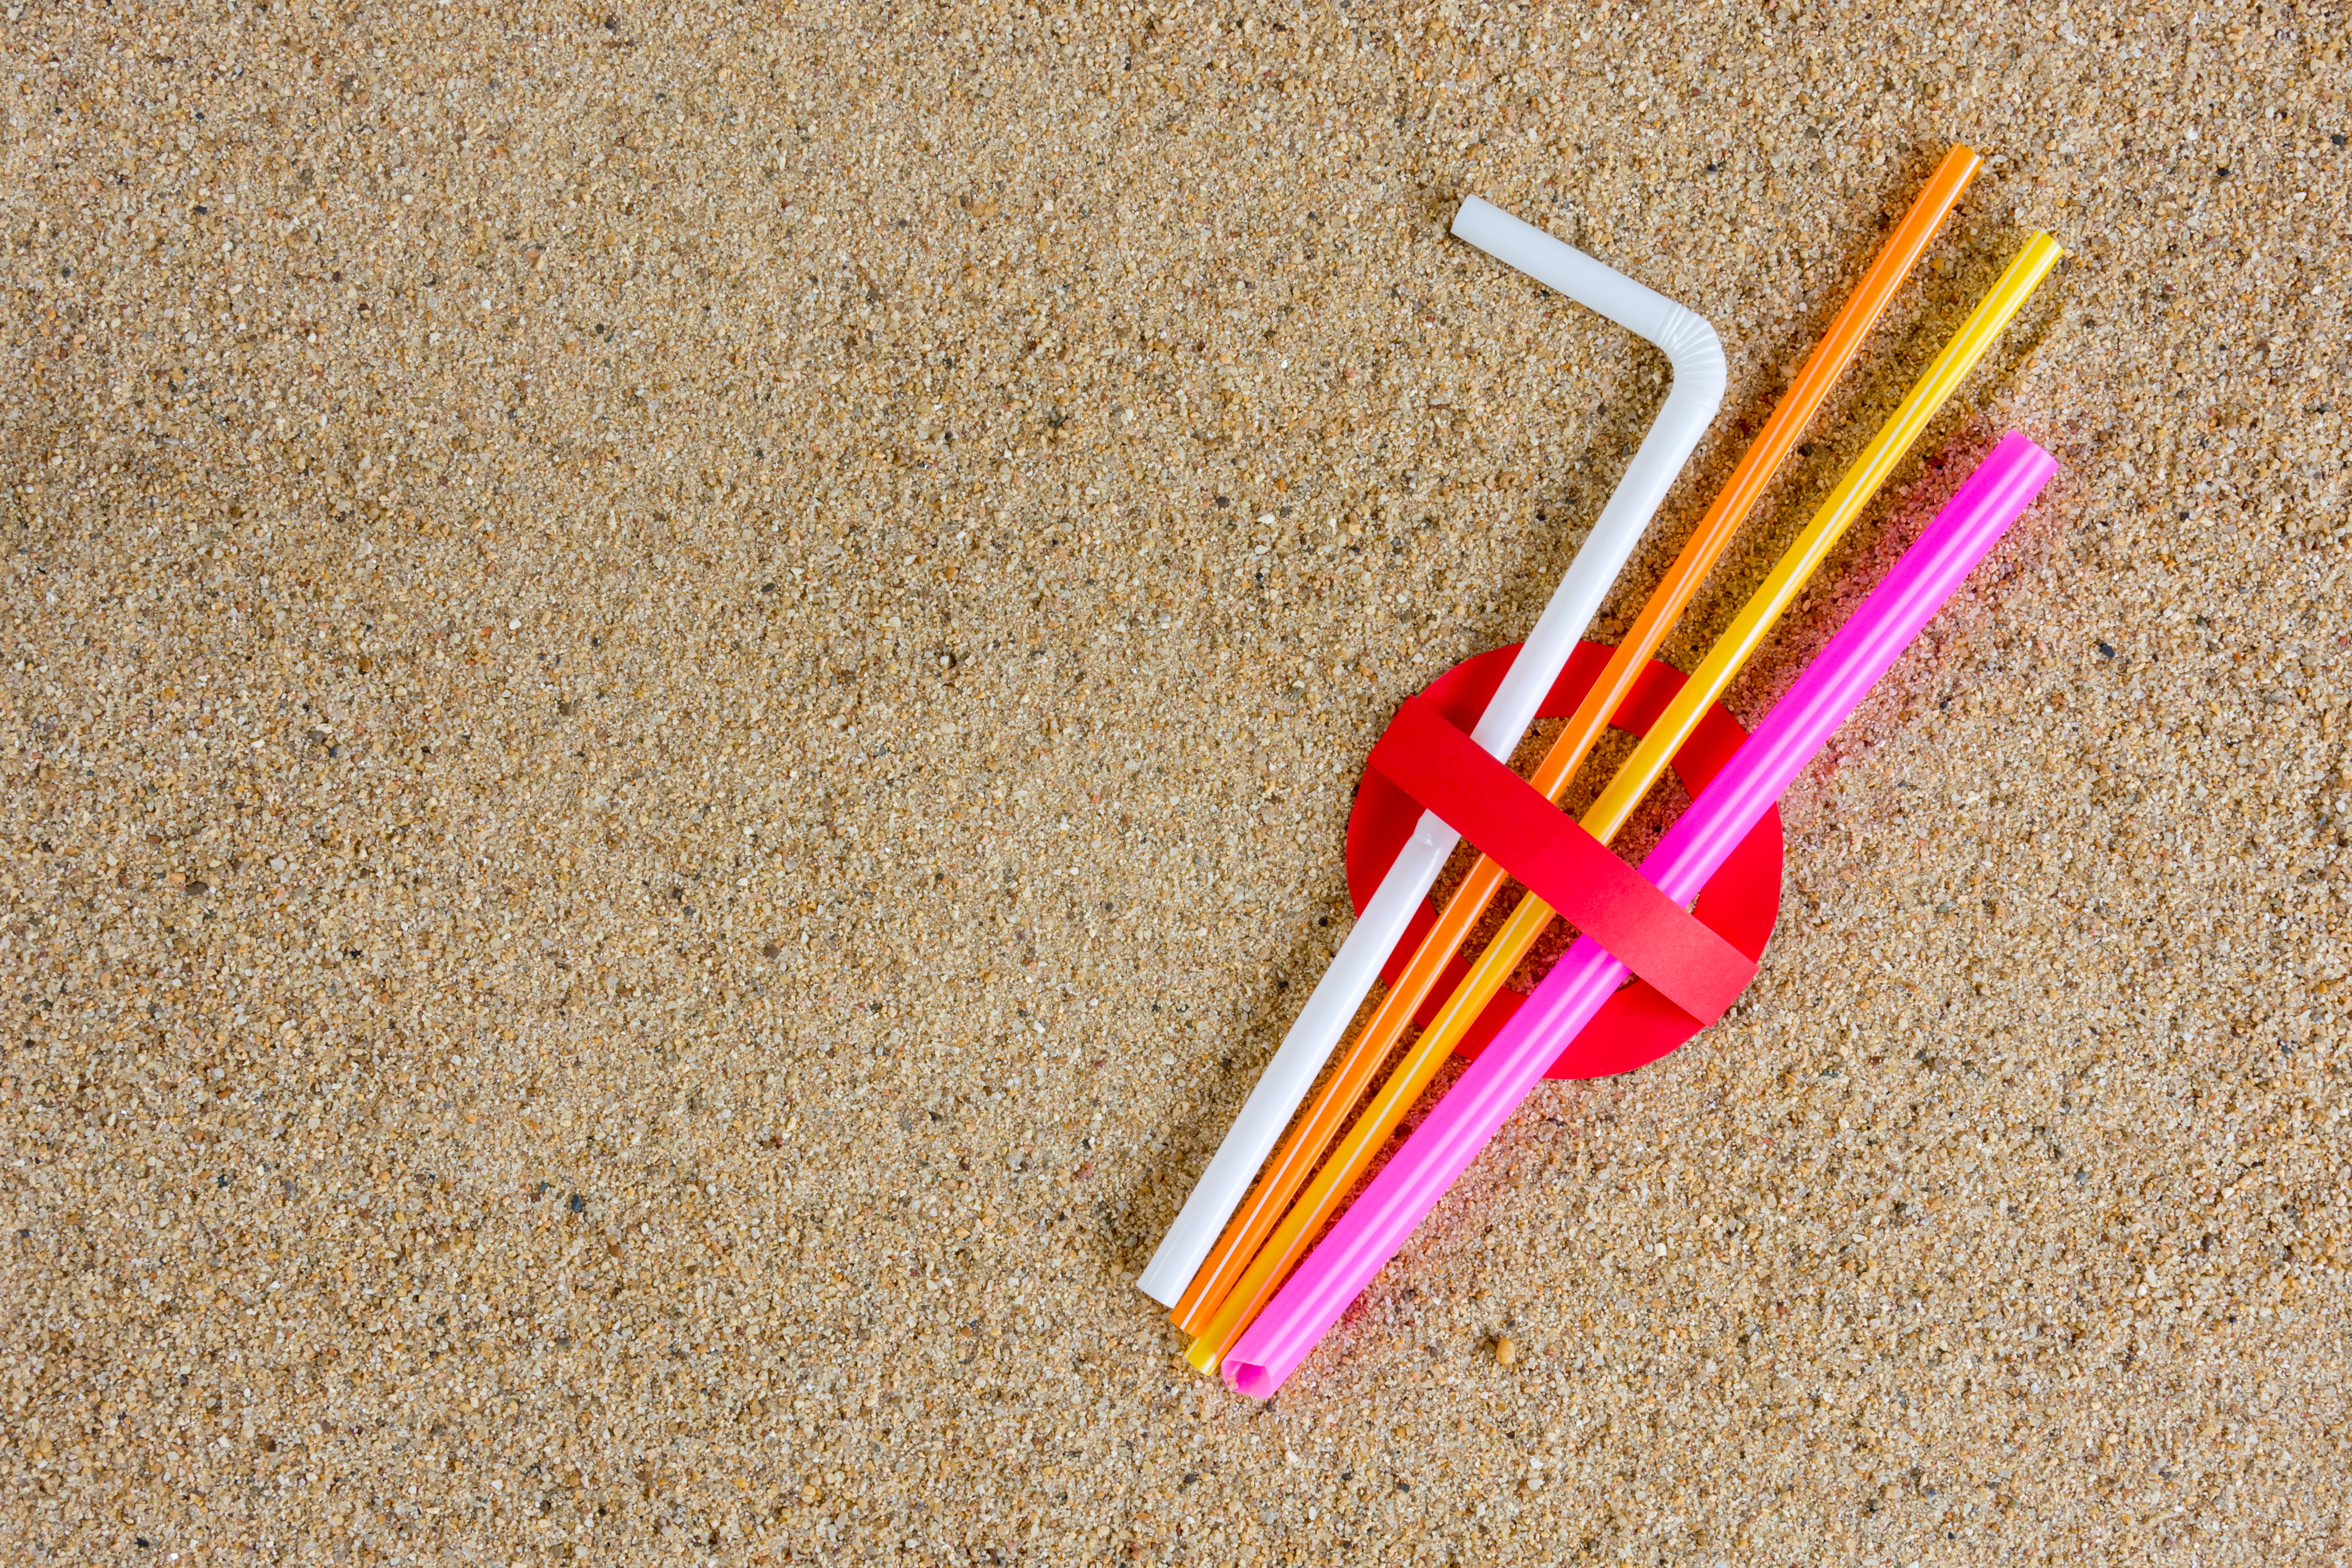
<point x="1741" y="900"/>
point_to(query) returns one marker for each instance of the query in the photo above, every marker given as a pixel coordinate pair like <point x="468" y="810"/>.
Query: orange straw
<point x="1295" y="1159"/>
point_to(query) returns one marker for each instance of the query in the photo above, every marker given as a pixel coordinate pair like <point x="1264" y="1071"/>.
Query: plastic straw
<point x="1295" y="1159"/>
<point x="1607" y="815"/>
<point x="1443" y="1147"/>
<point x="1696" y="355"/>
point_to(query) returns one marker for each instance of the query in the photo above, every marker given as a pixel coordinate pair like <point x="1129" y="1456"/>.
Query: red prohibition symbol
<point x="1740" y="902"/>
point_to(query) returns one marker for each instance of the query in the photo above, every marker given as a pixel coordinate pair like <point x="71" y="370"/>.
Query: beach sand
<point x="681" y="690"/>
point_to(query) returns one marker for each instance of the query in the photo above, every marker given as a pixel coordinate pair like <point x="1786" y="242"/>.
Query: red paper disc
<point x="1741" y="900"/>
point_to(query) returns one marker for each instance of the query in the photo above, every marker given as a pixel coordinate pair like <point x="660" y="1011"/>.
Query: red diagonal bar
<point x="1504" y="817"/>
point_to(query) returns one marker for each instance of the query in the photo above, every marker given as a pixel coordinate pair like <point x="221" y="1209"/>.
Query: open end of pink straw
<point x="1246" y="1378"/>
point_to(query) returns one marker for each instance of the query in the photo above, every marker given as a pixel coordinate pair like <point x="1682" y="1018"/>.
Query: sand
<point x="681" y="690"/>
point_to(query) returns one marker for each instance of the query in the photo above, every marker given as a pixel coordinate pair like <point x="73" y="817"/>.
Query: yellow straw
<point x="1320" y="1202"/>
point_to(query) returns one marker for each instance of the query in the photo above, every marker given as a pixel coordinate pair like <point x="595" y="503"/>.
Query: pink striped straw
<point x="1408" y="1186"/>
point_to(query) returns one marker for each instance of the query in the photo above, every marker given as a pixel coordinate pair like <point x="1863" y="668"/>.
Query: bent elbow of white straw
<point x="1696" y="355"/>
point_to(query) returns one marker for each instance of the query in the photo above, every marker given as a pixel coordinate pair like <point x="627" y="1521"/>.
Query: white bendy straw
<point x="1696" y="354"/>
